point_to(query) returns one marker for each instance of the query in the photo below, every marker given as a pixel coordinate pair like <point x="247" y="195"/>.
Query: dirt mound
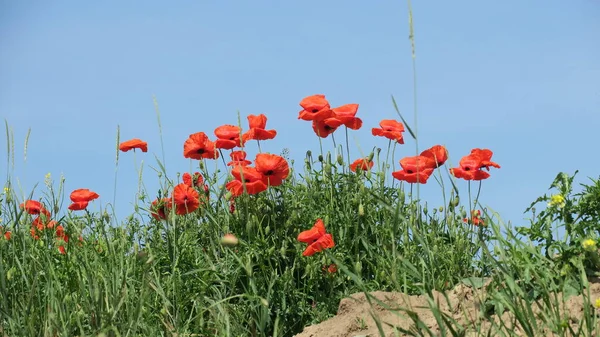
<point x="354" y="316"/>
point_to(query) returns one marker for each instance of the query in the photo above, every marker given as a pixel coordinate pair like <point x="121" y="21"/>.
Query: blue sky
<point x="521" y="78"/>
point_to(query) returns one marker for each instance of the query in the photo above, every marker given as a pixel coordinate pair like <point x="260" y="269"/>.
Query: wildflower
<point x="390" y="129"/>
<point x="238" y="158"/>
<point x="597" y="303"/>
<point x="475" y="218"/>
<point x="471" y="166"/>
<point x="589" y="245"/>
<point x="415" y="169"/>
<point x="134" y="144"/>
<point x="248" y="177"/>
<point x="6" y="234"/>
<point x="323" y="128"/>
<point x="324" y="242"/>
<point x="159" y="208"/>
<point x="40" y="225"/>
<point x="363" y="163"/>
<point x="6" y="190"/>
<point x="257" y="129"/>
<point x="80" y="199"/>
<point x="197" y="146"/>
<point x="316" y="107"/>
<point x="437" y="153"/>
<point x="346" y="114"/>
<point x="34" y="208"/>
<point x="332" y="268"/>
<point x="317" y="238"/>
<point x="195" y="181"/>
<point x="274" y="168"/>
<point x="229" y="240"/>
<point x="186" y="199"/>
<point x="228" y="136"/>
<point x="557" y="200"/>
<point x="62" y="250"/>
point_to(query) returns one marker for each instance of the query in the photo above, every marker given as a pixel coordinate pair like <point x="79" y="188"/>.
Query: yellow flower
<point x="589" y="245"/>
<point x="597" y="303"/>
<point x="6" y="190"/>
<point x="557" y="200"/>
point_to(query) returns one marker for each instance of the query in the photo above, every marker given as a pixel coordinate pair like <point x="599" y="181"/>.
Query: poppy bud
<point x="307" y="163"/>
<point x="329" y="158"/>
<point x="358" y="267"/>
<point x="320" y="158"/>
<point x="201" y="165"/>
<point x="340" y="159"/>
<point x="435" y="210"/>
<point x="454" y="202"/>
<point x="425" y="211"/>
<point x="441" y="209"/>
<point x="308" y="154"/>
<point x="371" y="155"/>
<point x="463" y="213"/>
<point x="267" y="230"/>
<point x="283" y="248"/>
<point x="229" y="240"/>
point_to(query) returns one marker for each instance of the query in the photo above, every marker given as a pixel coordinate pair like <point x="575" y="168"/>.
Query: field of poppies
<point x="262" y="247"/>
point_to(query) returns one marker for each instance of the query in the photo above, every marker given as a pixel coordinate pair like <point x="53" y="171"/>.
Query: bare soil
<point x="355" y="315"/>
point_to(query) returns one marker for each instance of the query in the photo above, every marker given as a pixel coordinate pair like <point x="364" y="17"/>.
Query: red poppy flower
<point x="257" y="129"/>
<point x="347" y="115"/>
<point x="416" y="169"/>
<point x="317" y="239"/>
<point x="7" y="235"/>
<point x="197" y="146"/>
<point x="437" y="153"/>
<point x="41" y="225"/>
<point x="62" y="250"/>
<point x="81" y="197"/>
<point x="315" y="107"/>
<point x="324" y="242"/>
<point x="238" y="158"/>
<point x="364" y="163"/>
<point x="252" y="179"/>
<point x="311" y="235"/>
<point x="134" y="144"/>
<point x="186" y="199"/>
<point x="228" y="136"/>
<point x="60" y="231"/>
<point x="324" y="128"/>
<point x="471" y="166"/>
<point x="390" y="129"/>
<point x="160" y="208"/>
<point x="486" y="157"/>
<point x="274" y="168"/>
<point x="83" y="194"/>
<point x="332" y="268"/>
<point x="475" y="218"/>
<point x="78" y="206"/>
<point x="34" y="207"/>
<point x="34" y="233"/>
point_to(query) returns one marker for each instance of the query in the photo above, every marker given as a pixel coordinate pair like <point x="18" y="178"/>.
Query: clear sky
<point x="521" y="78"/>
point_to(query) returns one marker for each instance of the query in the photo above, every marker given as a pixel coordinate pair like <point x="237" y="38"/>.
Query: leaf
<point x="474" y="282"/>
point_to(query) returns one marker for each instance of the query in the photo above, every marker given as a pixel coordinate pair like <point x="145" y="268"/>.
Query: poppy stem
<point x="259" y="149"/>
<point x="347" y="145"/>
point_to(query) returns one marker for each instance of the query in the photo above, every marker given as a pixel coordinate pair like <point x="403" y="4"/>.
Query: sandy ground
<point x="354" y="316"/>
